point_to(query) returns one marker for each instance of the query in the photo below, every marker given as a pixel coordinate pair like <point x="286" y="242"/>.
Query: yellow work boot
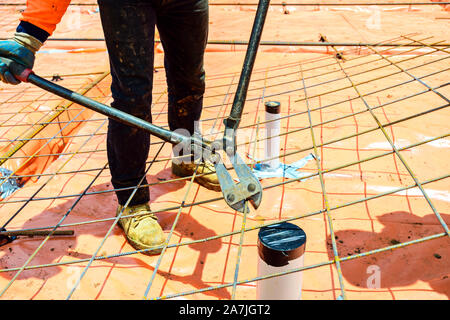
<point x="143" y="231"/>
<point x="208" y="177"/>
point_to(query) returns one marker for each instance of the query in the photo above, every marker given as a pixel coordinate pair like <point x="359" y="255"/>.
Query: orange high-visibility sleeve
<point x="45" y="14"/>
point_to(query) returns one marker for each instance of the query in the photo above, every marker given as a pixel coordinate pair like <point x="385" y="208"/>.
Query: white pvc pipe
<point x="281" y="248"/>
<point x="272" y="142"/>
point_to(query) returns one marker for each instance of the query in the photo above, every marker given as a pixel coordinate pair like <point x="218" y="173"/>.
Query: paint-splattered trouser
<point x="129" y="28"/>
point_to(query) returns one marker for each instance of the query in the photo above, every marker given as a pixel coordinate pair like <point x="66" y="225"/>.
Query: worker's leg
<point x="183" y="29"/>
<point x="129" y="34"/>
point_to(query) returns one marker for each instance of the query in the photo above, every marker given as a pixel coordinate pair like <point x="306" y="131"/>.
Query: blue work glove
<point x="21" y="49"/>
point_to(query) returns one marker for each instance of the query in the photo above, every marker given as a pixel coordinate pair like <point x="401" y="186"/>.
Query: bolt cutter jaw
<point x="247" y="189"/>
<point x="236" y="194"/>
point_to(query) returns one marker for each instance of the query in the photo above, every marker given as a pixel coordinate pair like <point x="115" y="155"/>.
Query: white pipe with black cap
<point x="272" y="142"/>
<point x="281" y="248"/>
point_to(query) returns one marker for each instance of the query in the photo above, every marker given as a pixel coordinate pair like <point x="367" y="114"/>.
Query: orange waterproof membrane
<point x="373" y="200"/>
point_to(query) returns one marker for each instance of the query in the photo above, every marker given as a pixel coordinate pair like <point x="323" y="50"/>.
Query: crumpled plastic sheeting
<point x="9" y="186"/>
<point x="263" y="171"/>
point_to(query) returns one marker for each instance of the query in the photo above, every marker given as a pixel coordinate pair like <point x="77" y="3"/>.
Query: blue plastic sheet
<point x="9" y="186"/>
<point x="290" y="171"/>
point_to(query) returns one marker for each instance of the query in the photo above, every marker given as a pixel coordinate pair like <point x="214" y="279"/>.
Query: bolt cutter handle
<point x="233" y="120"/>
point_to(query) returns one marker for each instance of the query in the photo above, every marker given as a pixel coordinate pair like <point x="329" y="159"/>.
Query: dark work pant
<point x="129" y="27"/>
